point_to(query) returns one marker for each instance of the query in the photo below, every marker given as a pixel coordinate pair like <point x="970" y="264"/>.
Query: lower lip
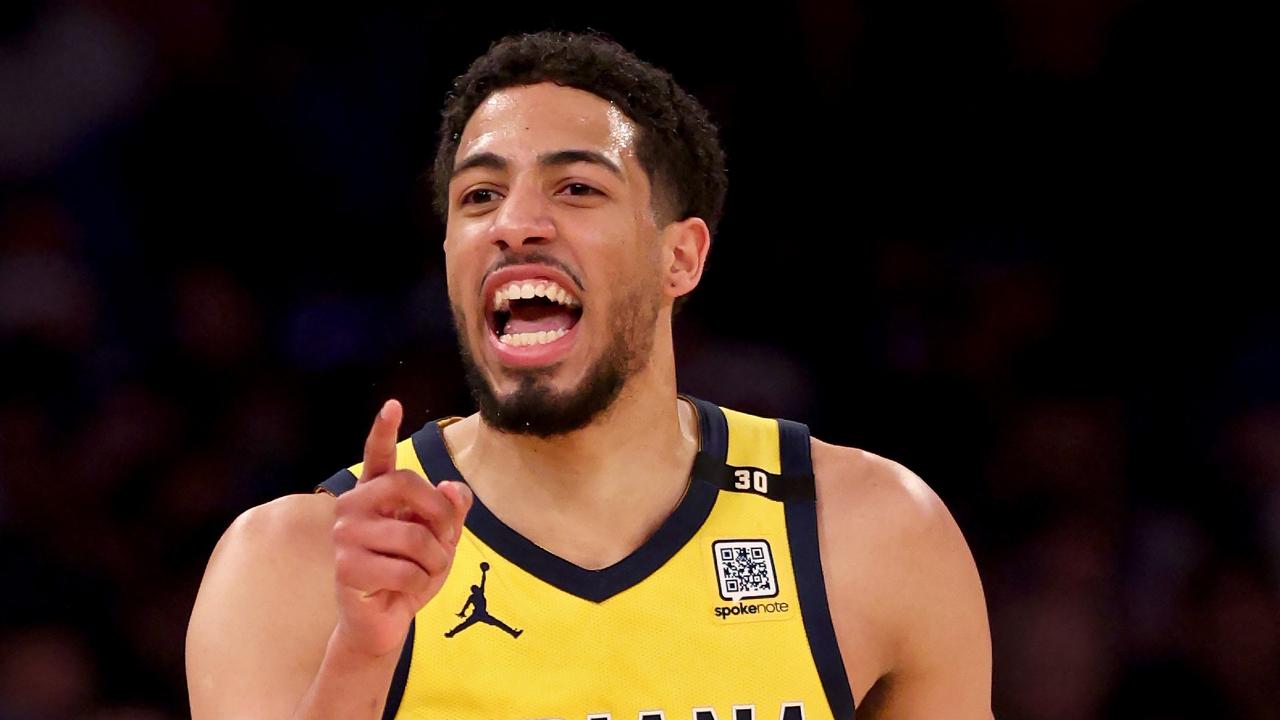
<point x="526" y="356"/>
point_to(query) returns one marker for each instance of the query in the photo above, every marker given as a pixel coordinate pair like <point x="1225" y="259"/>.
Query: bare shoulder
<point x="872" y="498"/>
<point x="265" y="607"/>
<point x="285" y="543"/>
<point x="293" y="520"/>
<point x="851" y="475"/>
<point x="282" y="540"/>
<point x="904" y="592"/>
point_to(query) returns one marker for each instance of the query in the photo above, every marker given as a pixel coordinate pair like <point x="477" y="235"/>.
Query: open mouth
<point x="532" y="312"/>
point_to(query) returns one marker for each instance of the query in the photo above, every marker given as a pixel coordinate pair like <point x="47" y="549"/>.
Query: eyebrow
<point x="558" y="158"/>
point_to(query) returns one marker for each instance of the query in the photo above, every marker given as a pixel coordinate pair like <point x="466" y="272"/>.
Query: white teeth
<point x="503" y="296"/>
<point x="532" y="338"/>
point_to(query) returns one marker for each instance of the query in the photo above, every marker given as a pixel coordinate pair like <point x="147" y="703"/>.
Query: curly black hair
<point x="678" y="145"/>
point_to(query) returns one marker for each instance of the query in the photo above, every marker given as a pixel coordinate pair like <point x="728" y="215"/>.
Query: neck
<point x="593" y="495"/>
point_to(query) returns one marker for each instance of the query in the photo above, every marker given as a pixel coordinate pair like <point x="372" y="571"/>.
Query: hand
<point x="394" y="538"/>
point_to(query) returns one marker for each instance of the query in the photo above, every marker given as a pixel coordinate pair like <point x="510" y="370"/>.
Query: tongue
<point x="538" y="318"/>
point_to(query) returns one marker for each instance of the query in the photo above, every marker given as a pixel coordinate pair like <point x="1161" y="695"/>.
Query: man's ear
<point x="685" y="244"/>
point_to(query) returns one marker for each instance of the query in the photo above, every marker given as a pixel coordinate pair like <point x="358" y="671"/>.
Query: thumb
<point x="460" y="496"/>
<point x="380" y="447"/>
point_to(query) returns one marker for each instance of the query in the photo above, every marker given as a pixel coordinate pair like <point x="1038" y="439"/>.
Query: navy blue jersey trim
<point x="797" y="466"/>
<point x="796" y="479"/>
<point x="344" y="480"/>
<point x="338" y="483"/>
<point x="802" y="535"/>
<point x="592" y="585"/>
<point x="598" y="585"/>
<point x="783" y="488"/>
<point x="713" y="438"/>
<point x="401" y="677"/>
<point x="428" y="443"/>
<point x="794" y="482"/>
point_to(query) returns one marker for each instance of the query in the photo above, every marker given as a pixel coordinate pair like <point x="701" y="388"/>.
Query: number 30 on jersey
<point x="748" y="479"/>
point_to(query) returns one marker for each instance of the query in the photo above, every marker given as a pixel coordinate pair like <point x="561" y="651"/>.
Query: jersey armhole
<point x="801" y="510"/>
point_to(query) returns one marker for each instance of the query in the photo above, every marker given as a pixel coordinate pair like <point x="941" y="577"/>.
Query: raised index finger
<point x="380" y="447"/>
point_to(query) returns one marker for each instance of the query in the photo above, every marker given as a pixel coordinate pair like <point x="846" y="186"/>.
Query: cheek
<point x="461" y="273"/>
<point x="454" y="292"/>
<point x="650" y="269"/>
<point x="635" y="290"/>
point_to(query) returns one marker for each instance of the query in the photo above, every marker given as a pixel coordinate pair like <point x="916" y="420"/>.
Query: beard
<point x="534" y="408"/>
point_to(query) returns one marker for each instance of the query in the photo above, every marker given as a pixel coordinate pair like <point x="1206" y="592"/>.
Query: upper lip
<point x="514" y="273"/>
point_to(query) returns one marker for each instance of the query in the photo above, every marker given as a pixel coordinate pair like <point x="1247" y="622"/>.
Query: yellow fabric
<point x="406" y="459"/>
<point x="659" y="646"/>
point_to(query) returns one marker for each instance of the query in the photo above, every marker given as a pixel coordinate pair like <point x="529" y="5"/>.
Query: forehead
<point x="523" y="122"/>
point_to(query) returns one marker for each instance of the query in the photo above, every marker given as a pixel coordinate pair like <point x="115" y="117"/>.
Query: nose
<point x="523" y="218"/>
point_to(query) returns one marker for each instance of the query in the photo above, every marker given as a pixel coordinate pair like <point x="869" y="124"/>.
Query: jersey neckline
<point x="672" y="534"/>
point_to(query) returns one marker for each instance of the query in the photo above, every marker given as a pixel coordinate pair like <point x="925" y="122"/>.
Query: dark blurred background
<point x="1005" y="242"/>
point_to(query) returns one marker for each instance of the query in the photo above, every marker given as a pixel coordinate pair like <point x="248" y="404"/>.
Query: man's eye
<point x="580" y="189"/>
<point x="480" y="196"/>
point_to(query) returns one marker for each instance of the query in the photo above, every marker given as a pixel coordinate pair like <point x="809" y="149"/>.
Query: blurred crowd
<point x="968" y="236"/>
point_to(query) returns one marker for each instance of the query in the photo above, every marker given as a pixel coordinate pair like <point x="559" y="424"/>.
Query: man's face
<point x="549" y="199"/>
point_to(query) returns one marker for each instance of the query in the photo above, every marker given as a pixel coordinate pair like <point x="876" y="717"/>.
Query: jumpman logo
<point x="479" y="612"/>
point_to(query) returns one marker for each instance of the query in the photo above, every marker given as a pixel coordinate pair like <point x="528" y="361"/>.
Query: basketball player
<point x="661" y="557"/>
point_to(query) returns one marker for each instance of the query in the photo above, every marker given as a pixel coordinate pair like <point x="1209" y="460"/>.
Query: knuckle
<point x="438" y="560"/>
<point x="436" y="504"/>
<point x="341" y="531"/>
<point x="404" y="574"/>
<point x="346" y="502"/>
<point x="416" y="535"/>
<point x="344" y="557"/>
<point x="354" y="501"/>
<point x="406" y="478"/>
<point x="344" y="567"/>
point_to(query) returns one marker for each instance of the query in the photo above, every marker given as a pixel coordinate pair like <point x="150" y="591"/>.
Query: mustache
<point x="535" y="258"/>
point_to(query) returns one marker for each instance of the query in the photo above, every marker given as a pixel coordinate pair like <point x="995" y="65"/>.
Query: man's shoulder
<point x="892" y="498"/>
<point x="289" y="519"/>
<point x="265" y="608"/>
<point x="887" y="496"/>
<point x="896" y="566"/>
<point x="294" y="529"/>
<point x="274" y="561"/>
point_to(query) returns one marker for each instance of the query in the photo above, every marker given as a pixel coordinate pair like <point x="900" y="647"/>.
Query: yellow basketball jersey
<point x="720" y="615"/>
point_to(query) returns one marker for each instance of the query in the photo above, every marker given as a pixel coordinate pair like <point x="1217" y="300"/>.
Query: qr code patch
<point x="745" y="569"/>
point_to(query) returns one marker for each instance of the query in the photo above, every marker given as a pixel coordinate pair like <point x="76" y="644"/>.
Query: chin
<point x="532" y="403"/>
